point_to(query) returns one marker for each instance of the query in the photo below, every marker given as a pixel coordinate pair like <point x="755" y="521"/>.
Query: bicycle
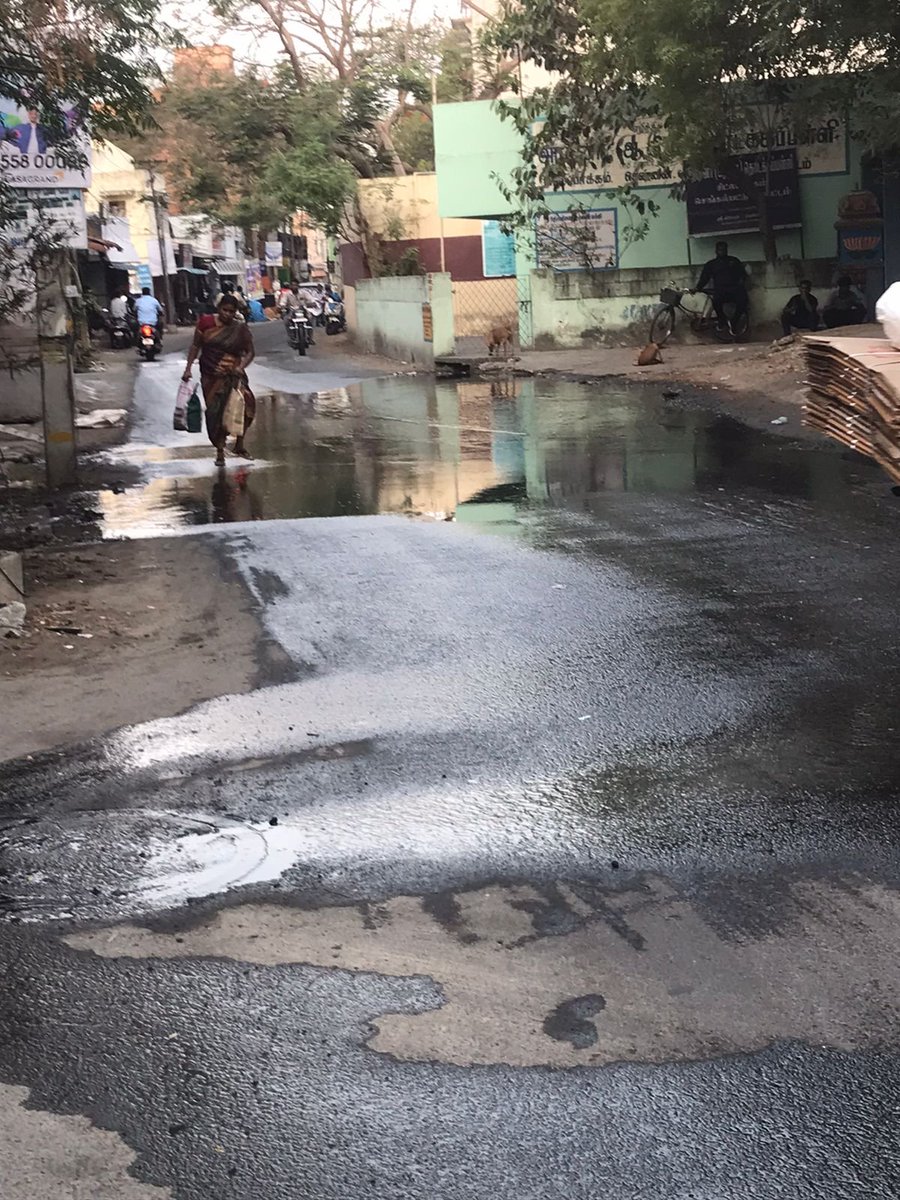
<point x="701" y="320"/>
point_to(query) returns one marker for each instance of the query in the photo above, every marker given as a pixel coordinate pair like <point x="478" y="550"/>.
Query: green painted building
<point x="563" y="304"/>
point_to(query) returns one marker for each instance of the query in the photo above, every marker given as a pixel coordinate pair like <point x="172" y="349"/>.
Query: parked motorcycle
<point x="335" y="317"/>
<point x="149" y="342"/>
<point x="120" y="333"/>
<point x="299" y="330"/>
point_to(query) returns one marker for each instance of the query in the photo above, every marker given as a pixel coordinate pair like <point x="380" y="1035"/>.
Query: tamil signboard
<point x="57" y="213"/>
<point x="821" y="144"/>
<point x="632" y="161"/>
<point x="629" y="163"/>
<point x="498" y="251"/>
<point x="584" y="239"/>
<point x="30" y="156"/>
<point x="718" y="205"/>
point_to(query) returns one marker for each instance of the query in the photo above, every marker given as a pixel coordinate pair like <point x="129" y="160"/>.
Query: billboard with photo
<point x="30" y="153"/>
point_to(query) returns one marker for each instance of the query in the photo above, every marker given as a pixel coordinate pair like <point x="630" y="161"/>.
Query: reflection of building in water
<point x="580" y="443"/>
<point x="436" y="443"/>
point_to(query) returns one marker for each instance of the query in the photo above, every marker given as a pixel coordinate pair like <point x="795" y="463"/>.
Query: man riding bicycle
<point x="726" y="278"/>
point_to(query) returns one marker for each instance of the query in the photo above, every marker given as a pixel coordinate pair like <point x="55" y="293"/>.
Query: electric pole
<point x="158" y="205"/>
<point x="57" y="378"/>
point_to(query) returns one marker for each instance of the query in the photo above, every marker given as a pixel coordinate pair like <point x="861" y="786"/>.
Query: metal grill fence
<point x="478" y="306"/>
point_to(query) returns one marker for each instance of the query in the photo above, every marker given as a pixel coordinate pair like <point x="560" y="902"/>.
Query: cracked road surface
<point x="562" y="863"/>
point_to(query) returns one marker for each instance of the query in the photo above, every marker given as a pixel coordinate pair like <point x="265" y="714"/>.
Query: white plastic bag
<point x="233" y="416"/>
<point x="887" y="311"/>
<point x="185" y="389"/>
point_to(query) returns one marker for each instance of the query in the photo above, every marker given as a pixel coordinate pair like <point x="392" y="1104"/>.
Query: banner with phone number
<point x="29" y="156"/>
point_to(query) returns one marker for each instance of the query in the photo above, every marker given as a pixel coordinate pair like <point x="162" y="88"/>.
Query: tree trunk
<point x="761" y="201"/>
<point x="769" y="237"/>
<point x="387" y="142"/>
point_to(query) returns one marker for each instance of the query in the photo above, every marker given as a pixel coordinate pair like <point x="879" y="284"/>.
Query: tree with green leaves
<point x="248" y="151"/>
<point x="97" y="59"/>
<point x="693" y="79"/>
<point x="380" y="60"/>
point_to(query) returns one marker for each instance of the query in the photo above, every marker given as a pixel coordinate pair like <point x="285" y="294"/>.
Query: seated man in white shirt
<point x="118" y="307"/>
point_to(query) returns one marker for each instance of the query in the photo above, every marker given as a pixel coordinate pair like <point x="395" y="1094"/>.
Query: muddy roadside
<point x="761" y="384"/>
<point x="124" y="632"/>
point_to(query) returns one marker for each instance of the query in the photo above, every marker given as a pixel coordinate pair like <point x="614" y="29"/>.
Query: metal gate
<point x="478" y="306"/>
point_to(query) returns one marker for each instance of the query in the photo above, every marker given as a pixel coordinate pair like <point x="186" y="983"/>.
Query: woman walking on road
<point x="225" y="349"/>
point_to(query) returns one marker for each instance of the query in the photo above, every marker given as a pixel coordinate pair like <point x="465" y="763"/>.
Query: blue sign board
<point x="145" y="279"/>
<point x="498" y="251"/>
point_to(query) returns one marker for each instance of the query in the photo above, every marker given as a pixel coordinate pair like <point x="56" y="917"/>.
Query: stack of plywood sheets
<point x="854" y="395"/>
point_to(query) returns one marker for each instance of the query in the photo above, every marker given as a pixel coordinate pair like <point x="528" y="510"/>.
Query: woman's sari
<point x="221" y="349"/>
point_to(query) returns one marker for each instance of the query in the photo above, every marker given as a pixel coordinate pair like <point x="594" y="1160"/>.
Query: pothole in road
<point x="634" y="975"/>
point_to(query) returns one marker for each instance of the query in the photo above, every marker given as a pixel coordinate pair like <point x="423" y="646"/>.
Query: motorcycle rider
<point x="118" y="306"/>
<point x="150" y="312"/>
<point x="291" y="302"/>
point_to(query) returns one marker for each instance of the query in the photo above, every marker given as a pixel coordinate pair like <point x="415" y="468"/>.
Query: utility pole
<point x="57" y="377"/>
<point x="161" y="239"/>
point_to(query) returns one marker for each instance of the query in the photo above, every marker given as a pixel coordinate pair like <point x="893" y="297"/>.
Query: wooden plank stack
<point x="854" y="395"/>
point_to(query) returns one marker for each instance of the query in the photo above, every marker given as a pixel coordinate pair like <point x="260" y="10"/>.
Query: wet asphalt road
<point x="562" y="862"/>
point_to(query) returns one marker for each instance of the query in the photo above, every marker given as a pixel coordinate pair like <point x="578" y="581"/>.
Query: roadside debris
<point x="101" y="418"/>
<point x="12" y="619"/>
<point x="779" y="421"/>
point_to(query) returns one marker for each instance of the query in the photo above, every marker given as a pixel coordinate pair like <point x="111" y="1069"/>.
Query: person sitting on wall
<point x="845" y="306"/>
<point x="801" y="311"/>
<point x="726" y="278"/>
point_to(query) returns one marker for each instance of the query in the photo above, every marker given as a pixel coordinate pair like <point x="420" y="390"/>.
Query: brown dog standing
<point x="500" y="338"/>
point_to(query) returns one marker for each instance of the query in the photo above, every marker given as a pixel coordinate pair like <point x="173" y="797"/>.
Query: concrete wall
<point x="411" y="202"/>
<point x="391" y="316"/>
<point x="349" y="294"/>
<point x="575" y="308"/>
<point x="472" y="146"/>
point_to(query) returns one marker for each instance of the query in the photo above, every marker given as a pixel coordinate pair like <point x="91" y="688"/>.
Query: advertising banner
<point x="29" y="157"/>
<point x="253" y="281"/>
<point x="716" y="205"/>
<point x="274" y="254"/>
<point x="59" y="212"/>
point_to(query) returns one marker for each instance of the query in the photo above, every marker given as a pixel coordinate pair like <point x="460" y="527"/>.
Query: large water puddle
<point x="476" y="451"/>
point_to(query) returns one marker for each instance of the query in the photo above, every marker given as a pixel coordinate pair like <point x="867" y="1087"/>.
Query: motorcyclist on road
<point x="150" y="312"/>
<point x="291" y="301"/>
<point x="118" y="306"/>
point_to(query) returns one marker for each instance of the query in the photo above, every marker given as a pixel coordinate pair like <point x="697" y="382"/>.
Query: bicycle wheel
<point x="662" y="325"/>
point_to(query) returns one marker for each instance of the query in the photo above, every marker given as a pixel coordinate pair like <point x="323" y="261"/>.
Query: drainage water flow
<point x="476" y="451"/>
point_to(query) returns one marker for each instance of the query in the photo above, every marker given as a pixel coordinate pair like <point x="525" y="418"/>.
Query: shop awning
<point x="228" y="266"/>
<point x="193" y="271"/>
